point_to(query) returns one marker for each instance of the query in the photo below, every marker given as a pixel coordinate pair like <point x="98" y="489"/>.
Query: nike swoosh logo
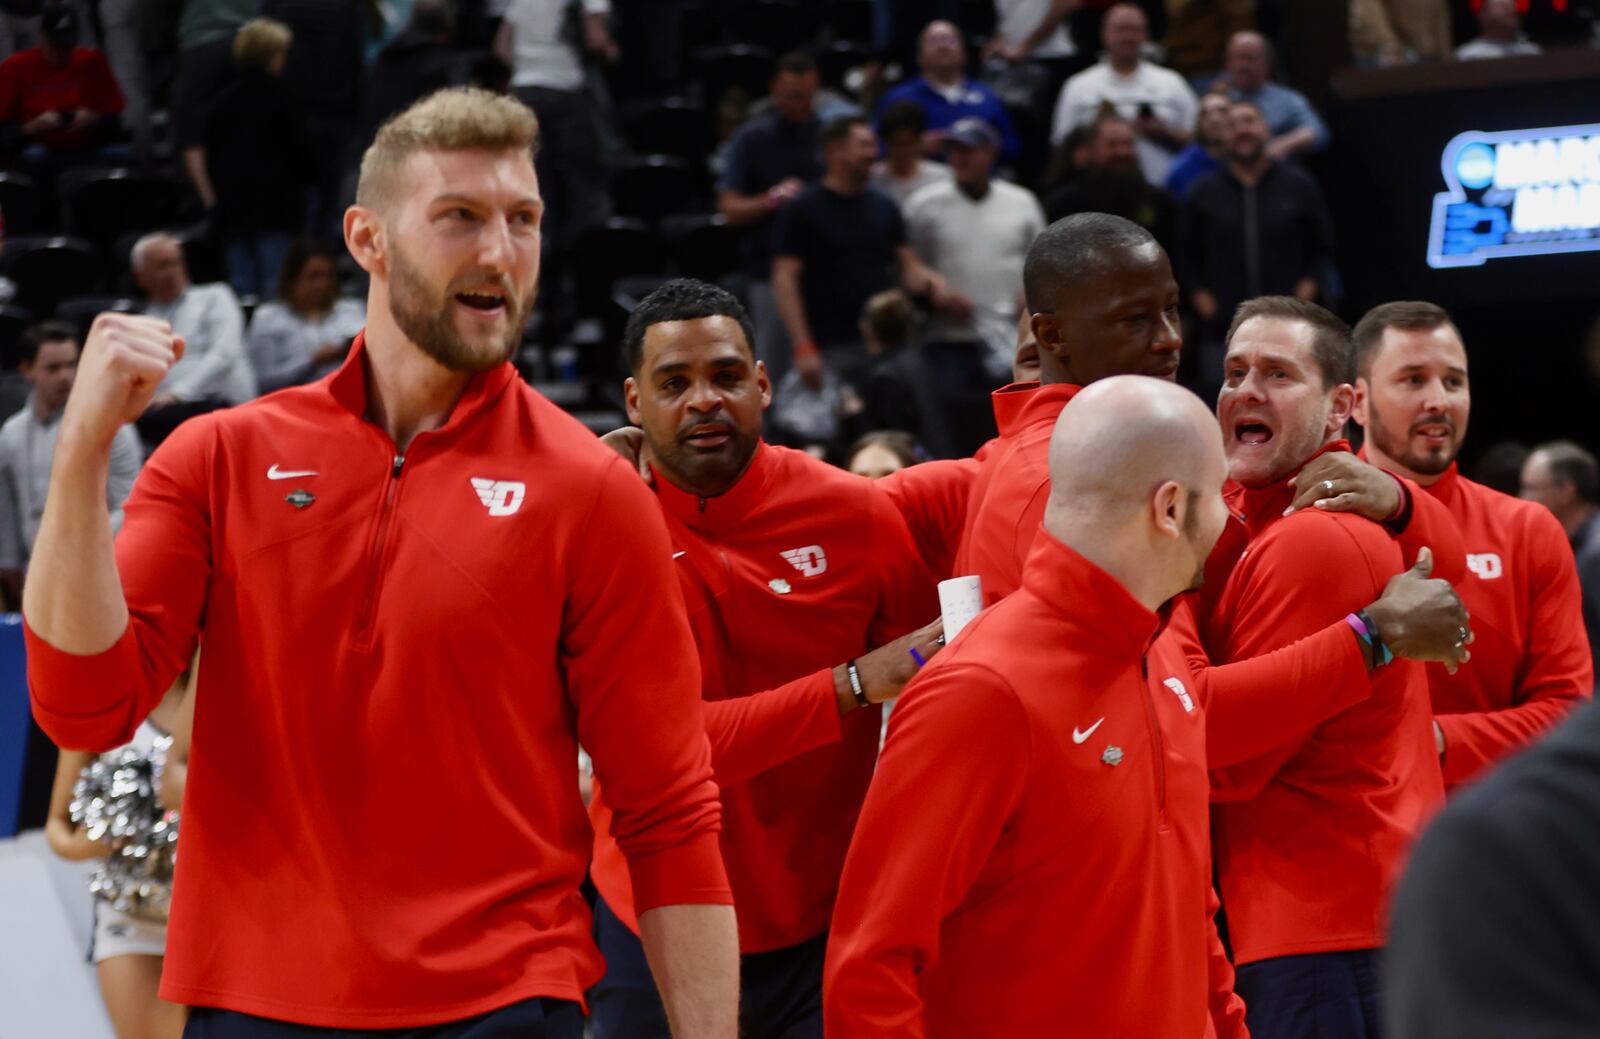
<point x="275" y="473"/>
<point x="675" y="555"/>
<point x="1078" y="736"/>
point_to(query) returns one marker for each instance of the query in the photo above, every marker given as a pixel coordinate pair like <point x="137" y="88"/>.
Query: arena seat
<point x="48" y="269"/>
<point x="656" y="186"/>
<point x="852" y="21"/>
<point x="102" y="205"/>
<point x="777" y="25"/>
<point x="739" y="66"/>
<point x="12" y="322"/>
<point x="701" y="245"/>
<point x="615" y="249"/>
<point x="80" y="311"/>
<point x="22" y="203"/>
<point x="667" y="126"/>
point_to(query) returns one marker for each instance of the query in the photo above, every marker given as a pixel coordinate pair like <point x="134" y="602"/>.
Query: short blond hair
<point x="452" y="120"/>
<point x="260" y="40"/>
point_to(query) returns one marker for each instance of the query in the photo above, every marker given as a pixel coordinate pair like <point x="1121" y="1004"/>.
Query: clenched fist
<point x="124" y="359"/>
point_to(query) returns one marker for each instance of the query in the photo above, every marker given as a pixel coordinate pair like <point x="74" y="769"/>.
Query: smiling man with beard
<point x="1312" y="833"/>
<point x="1532" y="661"/>
<point x="419" y="584"/>
<point x="792" y="571"/>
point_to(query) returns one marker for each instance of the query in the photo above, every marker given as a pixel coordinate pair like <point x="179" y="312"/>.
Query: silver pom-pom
<point x="114" y="800"/>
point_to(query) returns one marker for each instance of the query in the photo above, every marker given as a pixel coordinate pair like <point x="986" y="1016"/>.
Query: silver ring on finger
<point x="1327" y="485"/>
<point x="940" y="640"/>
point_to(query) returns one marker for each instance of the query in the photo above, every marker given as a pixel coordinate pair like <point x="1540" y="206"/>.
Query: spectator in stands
<point x="1198" y="32"/>
<point x="903" y="170"/>
<point x="1500" y="466"/>
<point x="49" y="359"/>
<point x="325" y="68"/>
<point x="975" y="231"/>
<point x="1029" y="30"/>
<point x="1206" y="152"/>
<point x="947" y="95"/>
<point x="206" y="31"/>
<point x="258" y="159"/>
<point x="836" y="245"/>
<point x="1565" y="479"/>
<point x="546" y="55"/>
<point x="420" y="60"/>
<point x="305" y="333"/>
<point x="60" y="100"/>
<point x="1296" y="128"/>
<point x="214" y="371"/>
<point x="1394" y="32"/>
<point x="1157" y="101"/>
<point x="1255" y="227"/>
<point x="1112" y="182"/>
<point x="770" y="160"/>
<point x="1499" y="34"/>
<point x="880" y="453"/>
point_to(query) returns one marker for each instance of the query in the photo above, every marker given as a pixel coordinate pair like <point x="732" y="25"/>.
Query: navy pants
<point x="1329" y="995"/>
<point x="780" y="992"/>
<point x="529" y="1019"/>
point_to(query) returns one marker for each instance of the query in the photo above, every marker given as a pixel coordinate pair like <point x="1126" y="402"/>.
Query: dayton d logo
<point x="500" y="497"/>
<point x="811" y="561"/>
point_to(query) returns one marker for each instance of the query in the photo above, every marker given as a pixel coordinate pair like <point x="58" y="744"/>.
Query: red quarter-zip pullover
<point x="796" y="569"/>
<point x="382" y="825"/>
<point x="1318" y="828"/>
<point x="1530" y="662"/>
<point x="1030" y="860"/>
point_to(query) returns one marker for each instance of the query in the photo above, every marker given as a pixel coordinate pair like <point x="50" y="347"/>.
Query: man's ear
<point x="1047" y="331"/>
<point x="1169" y="508"/>
<point x="630" y="397"/>
<point x="1362" y="400"/>
<point x="764" y="381"/>
<point x="367" y="239"/>
<point x="1343" y="402"/>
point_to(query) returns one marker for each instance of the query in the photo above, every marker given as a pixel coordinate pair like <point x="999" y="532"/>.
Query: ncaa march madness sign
<point x="1517" y="193"/>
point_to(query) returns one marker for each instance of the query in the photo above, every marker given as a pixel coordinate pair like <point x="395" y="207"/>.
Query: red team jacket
<point x="1314" y="832"/>
<point x="382" y="823"/>
<point x="798" y="568"/>
<point x="1530" y="662"/>
<point x="1031" y="857"/>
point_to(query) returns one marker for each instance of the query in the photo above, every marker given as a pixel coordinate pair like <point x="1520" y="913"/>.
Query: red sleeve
<point x="1247" y="711"/>
<point x="1431" y="526"/>
<point x="1227" y="1009"/>
<point x="103" y="94"/>
<point x="908" y="595"/>
<point x="750" y="734"/>
<point x="932" y="499"/>
<point x="952" y="771"/>
<point x="165" y="563"/>
<point x="642" y="729"/>
<point x="1316" y="572"/>
<point x="1556" y="669"/>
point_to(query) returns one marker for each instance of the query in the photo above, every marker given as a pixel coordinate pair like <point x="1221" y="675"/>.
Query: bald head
<point x="1136" y="473"/>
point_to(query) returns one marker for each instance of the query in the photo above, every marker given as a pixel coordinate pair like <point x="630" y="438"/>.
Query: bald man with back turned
<point x="1026" y="855"/>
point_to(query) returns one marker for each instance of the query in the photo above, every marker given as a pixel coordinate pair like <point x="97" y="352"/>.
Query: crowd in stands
<point x="867" y="175"/>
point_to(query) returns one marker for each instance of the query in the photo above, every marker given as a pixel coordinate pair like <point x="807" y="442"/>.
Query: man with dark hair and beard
<point x="1255" y="227"/>
<point x="792" y="570"/>
<point x="1112" y="182"/>
<point x="1532" y="661"/>
<point x="419" y="585"/>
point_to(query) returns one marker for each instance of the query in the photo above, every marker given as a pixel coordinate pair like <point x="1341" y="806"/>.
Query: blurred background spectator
<point x="1395" y="32"/>
<point x="903" y="169"/>
<point x="1499" y="34"/>
<point x="213" y="371"/>
<point x="946" y="94"/>
<point x="258" y="159"/>
<point x="59" y="101"/>
<point x="1565" y="479"/>
<point x="1157" y="101"/>
<point x="305" y="332"/>
<point x="420" y="59"/>
<point x="1112" y="182"/>
<point x="876" y="455"/>
<point x="205" y="34"/>
<point x="1205" y="153"/>
<point x="1254" y="227"/>
<point x="49" y="360"/>
<point x="1294" y="124"/>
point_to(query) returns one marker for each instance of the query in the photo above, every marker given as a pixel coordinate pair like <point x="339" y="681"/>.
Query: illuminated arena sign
<point x="1517" y="193"/>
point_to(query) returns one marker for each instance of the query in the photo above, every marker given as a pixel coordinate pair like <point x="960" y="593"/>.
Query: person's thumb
<point x="1423" y="567"/>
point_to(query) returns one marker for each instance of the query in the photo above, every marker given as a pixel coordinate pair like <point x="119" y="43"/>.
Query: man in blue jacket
<point x="946" y="94"/>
